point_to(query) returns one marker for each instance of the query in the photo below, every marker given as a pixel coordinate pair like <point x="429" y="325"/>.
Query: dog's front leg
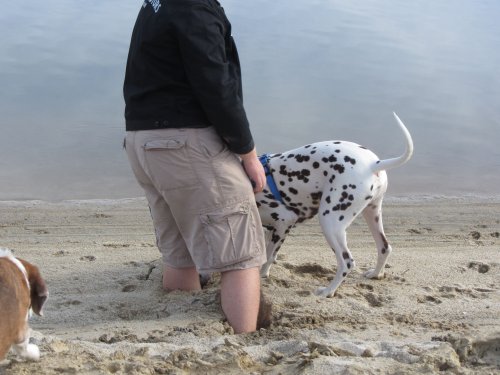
<point x="26" y="350"/>
<point x="272" y="248"/>
<point x="274" y="239"/>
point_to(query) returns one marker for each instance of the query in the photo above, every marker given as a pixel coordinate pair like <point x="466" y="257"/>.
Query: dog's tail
<point x="383" y="165"/>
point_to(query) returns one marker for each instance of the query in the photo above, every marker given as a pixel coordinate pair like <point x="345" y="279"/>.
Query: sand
<point x="436" y="311"/>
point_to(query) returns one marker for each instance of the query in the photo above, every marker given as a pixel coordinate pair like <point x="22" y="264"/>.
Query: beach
<point x="437" y="311"/>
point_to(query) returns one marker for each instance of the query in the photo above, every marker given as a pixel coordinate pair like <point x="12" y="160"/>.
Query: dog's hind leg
<point x="373" y="216"/>
<point x="334" y="228"/>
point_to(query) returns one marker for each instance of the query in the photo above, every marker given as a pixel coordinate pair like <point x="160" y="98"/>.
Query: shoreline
<point x="417" y="198"/>
<point x="436" y="311"/>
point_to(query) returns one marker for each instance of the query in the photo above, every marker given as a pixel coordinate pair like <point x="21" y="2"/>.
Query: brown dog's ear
<point x="39" y="291"/>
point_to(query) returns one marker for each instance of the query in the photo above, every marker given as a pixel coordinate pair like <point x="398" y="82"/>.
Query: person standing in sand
<point x="190" y="147"/>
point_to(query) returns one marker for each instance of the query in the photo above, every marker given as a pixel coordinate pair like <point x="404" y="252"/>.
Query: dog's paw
<point x="371" y="274"/>
<point x="324" y="292"/>
<point x="264" y="272"/>
<point x="32" y="352"/>
<point x="29" y="352"/>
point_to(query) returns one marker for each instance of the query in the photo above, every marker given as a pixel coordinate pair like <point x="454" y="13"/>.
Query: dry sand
<point x="437" y="310"/>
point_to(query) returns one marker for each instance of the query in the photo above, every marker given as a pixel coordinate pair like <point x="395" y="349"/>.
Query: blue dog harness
<point x="264" y="160"/>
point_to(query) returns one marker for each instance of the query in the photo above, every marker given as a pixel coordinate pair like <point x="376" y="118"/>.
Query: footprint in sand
<point x="69" y="303"/>
<point x="129" y="288"/>
<point x="479" y="267"/>
<point x="88" y="258"/>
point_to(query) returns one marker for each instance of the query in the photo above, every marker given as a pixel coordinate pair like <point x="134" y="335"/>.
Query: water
<point x="312" y="70"/>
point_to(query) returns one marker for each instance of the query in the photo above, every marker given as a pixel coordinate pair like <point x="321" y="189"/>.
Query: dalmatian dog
<point x="336" y="180"/>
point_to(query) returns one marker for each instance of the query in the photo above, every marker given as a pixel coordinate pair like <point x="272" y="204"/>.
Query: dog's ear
<point x="39" y="291"/>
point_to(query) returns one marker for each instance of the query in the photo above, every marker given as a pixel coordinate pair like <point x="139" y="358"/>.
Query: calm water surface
<point x="312" y="70"/>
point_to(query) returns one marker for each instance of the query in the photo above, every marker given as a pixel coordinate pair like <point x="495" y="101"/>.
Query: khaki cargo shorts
<point x="201" y="200"/>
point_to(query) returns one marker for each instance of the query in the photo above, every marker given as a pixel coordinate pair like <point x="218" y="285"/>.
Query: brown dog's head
<point x="39" y="291"/>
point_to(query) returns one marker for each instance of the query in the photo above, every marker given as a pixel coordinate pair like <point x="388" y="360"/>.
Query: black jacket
<point x="183" y="71"/>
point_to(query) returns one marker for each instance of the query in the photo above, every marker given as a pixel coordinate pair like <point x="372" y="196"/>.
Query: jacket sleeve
<point x="212" y="68"/>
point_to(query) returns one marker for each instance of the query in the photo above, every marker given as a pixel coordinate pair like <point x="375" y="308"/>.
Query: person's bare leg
<point x="240" y="298"/>
<point x="186" y="279"/>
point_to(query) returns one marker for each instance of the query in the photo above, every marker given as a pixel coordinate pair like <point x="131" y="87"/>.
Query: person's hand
<point x="254" y="170"/>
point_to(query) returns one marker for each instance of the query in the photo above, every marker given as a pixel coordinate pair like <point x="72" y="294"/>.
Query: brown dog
<point x="21" y="289"/>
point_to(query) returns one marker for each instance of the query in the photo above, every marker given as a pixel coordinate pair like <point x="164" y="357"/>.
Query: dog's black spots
<point x="301" y="158"/>
<point x="283" y="170"/>
<point x="344" y="196"/>
<point x="275" y="216"/>
<point x="258" y="204"/>
<point x="363" y="147"/>
<point x="329" y="159"/>
<point x="345" y="255"/>
<point x="378" y="162"/>
<point x="371" y="188"/>
<point x="368" y="197"/>
<point x="341" y="218"/>
<point x="326" y="212"/>
<point x="339" y="168"/>
<point x="275" y="238"/>
<point x="282" y="183"/>
<point x="313" y="152"/>
<point x="349" y="265"/>
<point x="331" y="178"/>
<point x="307" y="146"/>
<point x="384" y="240"/>
<point x="328" y="200"/>
<point x="344" y="274"/>
<point x="342" y="207"/>
<point x="273" y="205"/>
<point x="352" y="186"/>
<point x="337" y="151"/>
<point x="337" y="143"/>
<point x="348" y="159"/>
<point x="344" y="187"/>
<point x="383" y="250"/>
<point x="293" y="190"/>
<point x="315" y="165"/>
<point x="290" y="179"/>
<point x="354" y="214"/>
<point x="325" y="173"/>
<point x="350" y="197"/>
<point x="316" y="196"/>
<point x="377" y="219"/>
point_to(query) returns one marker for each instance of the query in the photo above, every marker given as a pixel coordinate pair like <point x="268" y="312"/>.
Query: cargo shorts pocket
<point x="231" y="235"/>
<point x="168" y="163"/>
